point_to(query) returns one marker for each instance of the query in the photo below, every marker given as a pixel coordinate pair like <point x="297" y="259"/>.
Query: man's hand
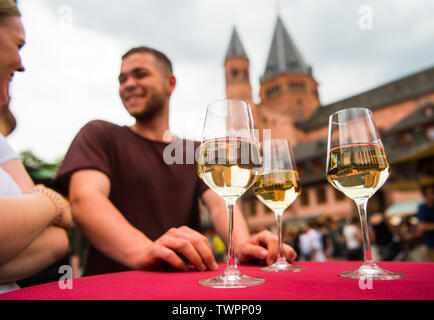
<point x="178" y="248"/>
<point x="262" y="247"/>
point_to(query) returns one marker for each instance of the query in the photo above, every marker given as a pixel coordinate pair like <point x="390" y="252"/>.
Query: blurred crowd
<point x="328" y="238"/>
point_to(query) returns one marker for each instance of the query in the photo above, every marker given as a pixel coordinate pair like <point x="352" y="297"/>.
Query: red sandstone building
<point x="290" y="106"/>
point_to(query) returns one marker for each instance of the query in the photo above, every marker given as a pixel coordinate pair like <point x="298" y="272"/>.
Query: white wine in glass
<point x="357" y="166"/>
<point x="277" y="187"/>
<point x="229" y="160"/>
<point x="222" y="169"/>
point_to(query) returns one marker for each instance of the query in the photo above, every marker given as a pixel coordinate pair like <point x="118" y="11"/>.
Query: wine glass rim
<point x="278" y="140"/>
<point x="230" y="137"/>
<point x="209" y="108"/>
<point x="347" y="110"/>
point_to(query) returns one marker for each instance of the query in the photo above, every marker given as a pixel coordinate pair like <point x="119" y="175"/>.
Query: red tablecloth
<point x="320" y="281"/>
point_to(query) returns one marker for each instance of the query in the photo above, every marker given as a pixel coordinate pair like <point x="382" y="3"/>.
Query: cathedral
<point x="290" y="106"/>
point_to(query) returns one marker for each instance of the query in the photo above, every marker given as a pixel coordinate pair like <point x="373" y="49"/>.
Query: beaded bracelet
<point x="51" y="195"/>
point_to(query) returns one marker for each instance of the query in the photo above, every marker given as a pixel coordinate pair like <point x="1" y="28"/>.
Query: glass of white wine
<point x="277" y="186"/>
<point x="357" y="166"/>
<point x="229" y="160"/>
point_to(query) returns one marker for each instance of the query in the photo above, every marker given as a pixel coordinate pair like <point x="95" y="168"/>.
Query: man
<point x="425" y="214"/>
<point x="137" y="211"/>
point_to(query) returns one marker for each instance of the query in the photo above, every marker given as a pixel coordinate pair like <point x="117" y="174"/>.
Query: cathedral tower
<point x="237" y="71"/>
<point x="287" y="85"/>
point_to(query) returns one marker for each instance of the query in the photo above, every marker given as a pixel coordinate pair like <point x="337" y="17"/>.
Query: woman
<point x="33" y="218"/>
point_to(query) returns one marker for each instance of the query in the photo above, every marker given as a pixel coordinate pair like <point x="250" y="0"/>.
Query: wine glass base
<point x="233" y="280"/>
<point x="372" y="272"/>
<point x="284" y="266"/>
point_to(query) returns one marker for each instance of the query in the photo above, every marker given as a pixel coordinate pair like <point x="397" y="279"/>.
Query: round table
<point x="319" y="281"/>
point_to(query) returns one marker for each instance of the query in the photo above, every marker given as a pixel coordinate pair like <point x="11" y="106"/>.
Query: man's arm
<point x="262" y="247"/>
<point x="100" y="220"/>
<point x="108" y="230"/>
<point x="422" y="214"/>
<point x="426" y="226"/>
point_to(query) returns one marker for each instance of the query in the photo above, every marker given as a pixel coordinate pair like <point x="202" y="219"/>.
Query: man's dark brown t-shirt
<point x="151" y="193"/>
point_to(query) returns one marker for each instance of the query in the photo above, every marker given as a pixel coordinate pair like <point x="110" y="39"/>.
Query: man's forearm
<point x="107" y="229"/>
<point x="426" y="226"/>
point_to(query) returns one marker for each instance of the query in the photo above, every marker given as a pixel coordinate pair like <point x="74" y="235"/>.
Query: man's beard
<point x="153" y="107"/>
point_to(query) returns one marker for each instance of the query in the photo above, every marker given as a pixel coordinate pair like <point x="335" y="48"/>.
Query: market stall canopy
<point x="403" y="208"/>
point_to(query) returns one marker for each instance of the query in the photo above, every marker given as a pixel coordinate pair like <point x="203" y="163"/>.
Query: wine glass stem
<point x="280" y="255"/>
<point x="362" y="205"/>
<point x="231" y="263"/>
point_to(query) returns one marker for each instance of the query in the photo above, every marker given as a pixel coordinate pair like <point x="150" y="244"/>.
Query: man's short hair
<point x="157" y="54"/>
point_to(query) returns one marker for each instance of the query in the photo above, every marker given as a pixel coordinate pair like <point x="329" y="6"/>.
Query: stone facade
<point x="290" y="106"/>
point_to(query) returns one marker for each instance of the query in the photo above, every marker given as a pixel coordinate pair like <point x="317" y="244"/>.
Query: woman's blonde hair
<point x="8" y="8"/>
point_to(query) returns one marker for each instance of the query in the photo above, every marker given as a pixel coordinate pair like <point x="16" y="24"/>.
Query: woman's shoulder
<point x="6" y="151"/>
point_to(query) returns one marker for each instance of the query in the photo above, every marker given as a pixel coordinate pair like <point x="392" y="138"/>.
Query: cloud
<point x="70" y="79"/>
<point x="73" y="54"/>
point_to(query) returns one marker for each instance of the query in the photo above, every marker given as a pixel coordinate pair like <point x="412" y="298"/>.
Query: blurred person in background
<point x="353" y="239"/>
<point x="311" y="244"/>
<point x="318" y="243"/>
<point x="388" y="244"/>
<point x="219" y="248"/>
<point x="305" y="245"/>
<point x="296" y="242"/>
<point x="425" y="215"/>
<point x="334" y="242"/>
<point x="33" y="218"/>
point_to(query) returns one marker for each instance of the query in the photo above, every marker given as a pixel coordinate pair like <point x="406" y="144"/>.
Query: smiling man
<point x="138" y="211"/>
<point x="147" y="99"/>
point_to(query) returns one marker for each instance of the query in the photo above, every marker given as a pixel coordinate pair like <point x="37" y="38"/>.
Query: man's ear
<point x="171" y="83"/>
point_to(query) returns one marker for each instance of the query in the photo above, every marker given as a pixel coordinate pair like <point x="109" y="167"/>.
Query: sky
<point x="73" y="49"/>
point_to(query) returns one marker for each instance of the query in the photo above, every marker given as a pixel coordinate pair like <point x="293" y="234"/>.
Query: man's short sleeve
<point x="90" y="149"/>
<point x="424" y="214"/>
<point x="421" y="214"/>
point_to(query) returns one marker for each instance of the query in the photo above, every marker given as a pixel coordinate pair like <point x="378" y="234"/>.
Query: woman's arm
<point x="50" y="246"/>
<point x="22" y="220"/>
<point x="18" y="173"/>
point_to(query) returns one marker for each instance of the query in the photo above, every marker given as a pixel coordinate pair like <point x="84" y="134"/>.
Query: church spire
<point x="237" y="71"/>
<point x="284" y="55"/>
<point x="236" y="48"/>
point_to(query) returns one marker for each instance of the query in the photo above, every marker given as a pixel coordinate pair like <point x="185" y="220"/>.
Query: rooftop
<point x="402" y="89"/>
<point x="284" y="55"/>
<point x="235" y="48"/>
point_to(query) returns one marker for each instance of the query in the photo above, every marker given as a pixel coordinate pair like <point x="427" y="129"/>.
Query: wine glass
<point x="228" y="163"/>
<point x="277" y="186"/>
<point x="357" y="166"/>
